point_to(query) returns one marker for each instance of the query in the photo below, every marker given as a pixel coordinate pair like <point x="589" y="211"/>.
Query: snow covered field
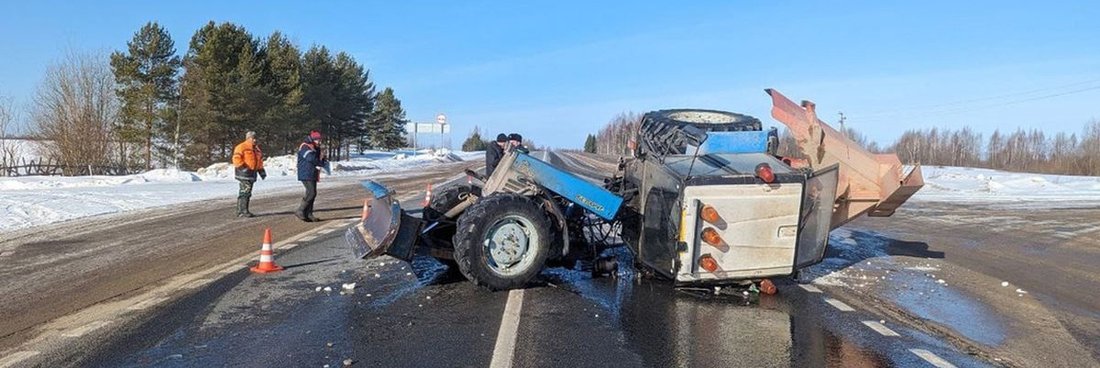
<point x="964" y="184"/>
<point x="37" y="200"/>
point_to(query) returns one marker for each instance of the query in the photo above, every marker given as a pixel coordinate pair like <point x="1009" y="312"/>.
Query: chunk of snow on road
<point x="1004" y="283"/>
<point x="348" y="286"/>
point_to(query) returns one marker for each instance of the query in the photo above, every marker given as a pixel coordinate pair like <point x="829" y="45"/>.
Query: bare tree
<point x="75" y="109"/>
<point x="8" y="149"/>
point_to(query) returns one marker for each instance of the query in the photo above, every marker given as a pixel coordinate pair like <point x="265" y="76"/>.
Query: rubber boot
<point x="244" y="207"/>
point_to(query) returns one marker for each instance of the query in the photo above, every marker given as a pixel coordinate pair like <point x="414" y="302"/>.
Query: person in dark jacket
<point x="493" y="153"/>
<point x="310" y="160"/>
<point x="515" y="143"/>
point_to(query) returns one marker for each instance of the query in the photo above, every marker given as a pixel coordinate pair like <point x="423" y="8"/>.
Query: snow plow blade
<point x="872" y="184"/>
<point x="385" y="229"/>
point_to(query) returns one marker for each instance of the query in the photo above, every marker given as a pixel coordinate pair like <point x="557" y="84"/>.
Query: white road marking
<point x="289" y="246"/>
<point x="80" y="331"/>
<point x="931" y="358"/>
<point x="15" y="358"/>
<point x="839" y="305"/>
<point x="146" y="303"/>
<point x="880" y="328"/>
<point x="810" y="288"/>
<point x="326" y="231"/>
<point x="505" y="348"/>
<point x="308" y="238"/>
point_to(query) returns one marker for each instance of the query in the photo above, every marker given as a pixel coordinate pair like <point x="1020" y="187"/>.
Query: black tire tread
<point x="477" y="219"/>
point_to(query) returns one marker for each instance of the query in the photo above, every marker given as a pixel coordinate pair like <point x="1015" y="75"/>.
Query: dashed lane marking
<point x="505" y="348"/>
<point x="932" y="358"/>
<point x="810" y="288"/>
<point x="16" y="358"/>
<point x="880" y="328"/>
<point x="80" y="331"/>
<point x="839" y="305"/>
<point x="146" y="303"/>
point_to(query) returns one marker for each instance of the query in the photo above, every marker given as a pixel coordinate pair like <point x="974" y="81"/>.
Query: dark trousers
<point x="306" y="208"/>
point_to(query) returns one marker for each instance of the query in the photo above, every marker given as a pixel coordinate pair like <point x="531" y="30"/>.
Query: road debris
<point x="348" y="286"/>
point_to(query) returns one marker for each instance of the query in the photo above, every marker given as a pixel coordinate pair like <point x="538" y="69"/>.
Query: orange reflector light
<point x="764" y="172"/>
<point x="710" y="236"/>
<point x="710" y="214"/>
<point x="708" y="263"/>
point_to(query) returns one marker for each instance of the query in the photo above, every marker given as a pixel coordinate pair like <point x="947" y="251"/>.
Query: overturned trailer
<point x="703" y="199"/>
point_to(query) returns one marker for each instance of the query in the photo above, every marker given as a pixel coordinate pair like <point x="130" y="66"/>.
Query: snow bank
<point x="37" y="200"/>
<point x="945" y="183"/>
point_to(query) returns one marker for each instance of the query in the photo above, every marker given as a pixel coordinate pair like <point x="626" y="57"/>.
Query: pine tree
<point x="145" y="75"/>
<point x="387" y="123"/>
<point x="590" y="144"/>
<point x="474" y="142"/>
<point x="284" y="121"/>
<point x="224" y="91"/>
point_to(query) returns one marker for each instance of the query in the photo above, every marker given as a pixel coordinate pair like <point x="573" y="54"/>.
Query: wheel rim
<point x="509" y="245"/>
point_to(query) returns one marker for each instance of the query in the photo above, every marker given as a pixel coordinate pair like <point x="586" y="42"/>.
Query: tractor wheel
<point x="709" y="120"/>
<point x="448" y="196"/>
<point x="502" y="241"/>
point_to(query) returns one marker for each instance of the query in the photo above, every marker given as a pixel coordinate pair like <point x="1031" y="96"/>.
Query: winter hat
<point x="315" y="135"/>
<point x="502" y="138"/>
<point x="250" y="134"/>
<point x="515" y="137"/>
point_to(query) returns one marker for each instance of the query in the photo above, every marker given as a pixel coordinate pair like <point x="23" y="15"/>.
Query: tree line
<point x="147" y="106"/>
<point x="1018" y="150"/>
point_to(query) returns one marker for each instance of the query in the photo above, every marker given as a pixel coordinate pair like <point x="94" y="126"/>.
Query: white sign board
<point x="421" y="128"/>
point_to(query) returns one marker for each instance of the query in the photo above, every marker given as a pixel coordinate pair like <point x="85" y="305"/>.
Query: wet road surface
<point x="402" y="315"/>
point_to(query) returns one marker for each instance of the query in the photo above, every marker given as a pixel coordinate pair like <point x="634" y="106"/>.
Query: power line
<point x="929" y="108"/>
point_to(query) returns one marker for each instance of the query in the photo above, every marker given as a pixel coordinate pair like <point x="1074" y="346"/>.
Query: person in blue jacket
<point x="310" y="160"/>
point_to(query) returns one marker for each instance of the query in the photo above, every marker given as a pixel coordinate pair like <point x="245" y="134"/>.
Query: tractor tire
<point x="708" y="120"/>
<point x="448" y="196"/>
<point x="502" y="241"/>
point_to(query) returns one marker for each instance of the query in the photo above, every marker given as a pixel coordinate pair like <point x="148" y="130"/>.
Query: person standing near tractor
<point x="493" y="153"/>
<point x="310" y="161"/>
<point x="515" y="143"/>
<point x="248" y="162"/>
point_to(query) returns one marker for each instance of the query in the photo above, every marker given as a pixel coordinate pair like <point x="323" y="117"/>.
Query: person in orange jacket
<point x="248" y="162"/>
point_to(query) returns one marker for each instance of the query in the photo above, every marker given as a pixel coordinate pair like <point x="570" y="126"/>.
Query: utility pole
<point x="842" y="131"/>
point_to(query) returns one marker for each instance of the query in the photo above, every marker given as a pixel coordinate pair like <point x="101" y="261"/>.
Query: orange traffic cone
<point x="428" y="196"/>
<point x="267" y="257"/>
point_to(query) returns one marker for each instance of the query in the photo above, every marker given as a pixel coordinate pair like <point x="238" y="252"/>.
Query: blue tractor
<point x="703" y="199"/>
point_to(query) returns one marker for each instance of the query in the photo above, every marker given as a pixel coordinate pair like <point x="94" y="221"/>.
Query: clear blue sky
<point x="558" y="70"/>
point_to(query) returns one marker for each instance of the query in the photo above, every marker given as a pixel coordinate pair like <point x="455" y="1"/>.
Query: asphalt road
<point x="58" y="276"/>
<point x="208" y="310"/>
<point x="402" y="315"/>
